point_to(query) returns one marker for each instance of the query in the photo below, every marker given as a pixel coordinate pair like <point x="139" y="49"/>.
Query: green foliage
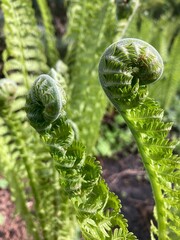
<point x="22" y="41"/>
<point x="114" y="135"/>
<point x="24" y="159"/>
<point x="125" y="69"/>
<point x="51" y="50"/>
<point x="23" y="57"/>
<point x="121" y="71"/>
<point x="173" y="115"/>
<point x="8" y="91"/>
<point x="158" y="23"/>
<point x="97" y="209"/>
<point x="3" y="183"/>
<point x="98" y="28"/>
<point x="171" y="77"/>
<point x="124" y="9"/>
<point x="2" y="219"/>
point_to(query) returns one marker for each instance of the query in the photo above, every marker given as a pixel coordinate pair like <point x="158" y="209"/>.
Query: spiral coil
<point x="125" y="68"/>
<point x="44" y="102"/>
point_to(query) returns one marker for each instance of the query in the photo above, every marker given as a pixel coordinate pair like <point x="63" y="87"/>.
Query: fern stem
<point x="137" y="4"/>
<point x="157" y="193"/>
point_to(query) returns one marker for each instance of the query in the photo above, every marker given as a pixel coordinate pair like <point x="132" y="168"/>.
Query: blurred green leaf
<point x="2" y="219"/>
<point x="3" y="185"/>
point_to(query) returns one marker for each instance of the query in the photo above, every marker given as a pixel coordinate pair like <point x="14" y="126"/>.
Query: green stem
<point x="137" y="4"/>
<point x="157" y="193"/>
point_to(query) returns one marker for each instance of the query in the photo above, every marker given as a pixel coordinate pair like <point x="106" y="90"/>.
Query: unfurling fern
<point x="44" y="91"/>
<point x="97" y="209"/>
<point x="125" y="68"/>
<point x="27" y="167"/>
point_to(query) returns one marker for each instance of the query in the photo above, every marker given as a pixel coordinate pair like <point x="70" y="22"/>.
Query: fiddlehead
<point x="125" y="69"/>
<point x="44" y="103"/>
<point x="97" y="209"/>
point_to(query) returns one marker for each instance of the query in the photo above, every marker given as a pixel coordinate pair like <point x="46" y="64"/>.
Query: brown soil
<point x="12" y="227"/>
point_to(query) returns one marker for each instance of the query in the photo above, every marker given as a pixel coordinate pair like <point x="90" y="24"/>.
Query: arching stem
<point x="157" y="193"/>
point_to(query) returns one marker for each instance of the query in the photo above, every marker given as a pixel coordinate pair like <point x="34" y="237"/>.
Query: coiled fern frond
<point x="97" y="209"/>
<point x="125" y="70"/>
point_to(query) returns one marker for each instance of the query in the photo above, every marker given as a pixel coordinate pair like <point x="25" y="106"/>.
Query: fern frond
<point x="144" y="117"/>
<point x="24" y="58"/>
<point x="97" y="209"/>
<point x="15" y="165"/>
<point x="24" y="54"/>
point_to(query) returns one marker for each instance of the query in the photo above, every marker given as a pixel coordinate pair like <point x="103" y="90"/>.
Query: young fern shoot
<point x="97" y="209"/>
<point x="125" y="70"/>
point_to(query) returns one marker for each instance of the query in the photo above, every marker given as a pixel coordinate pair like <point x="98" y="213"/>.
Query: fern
<point x="97" y="209"/>
<point x="16" y="165"/>
<point x="33" y="169"/>
<point x="23" y="56"/>
<point x="125" y="69"/>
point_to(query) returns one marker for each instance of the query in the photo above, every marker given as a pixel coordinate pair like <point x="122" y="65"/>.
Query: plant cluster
<point x="51" y="164"/>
